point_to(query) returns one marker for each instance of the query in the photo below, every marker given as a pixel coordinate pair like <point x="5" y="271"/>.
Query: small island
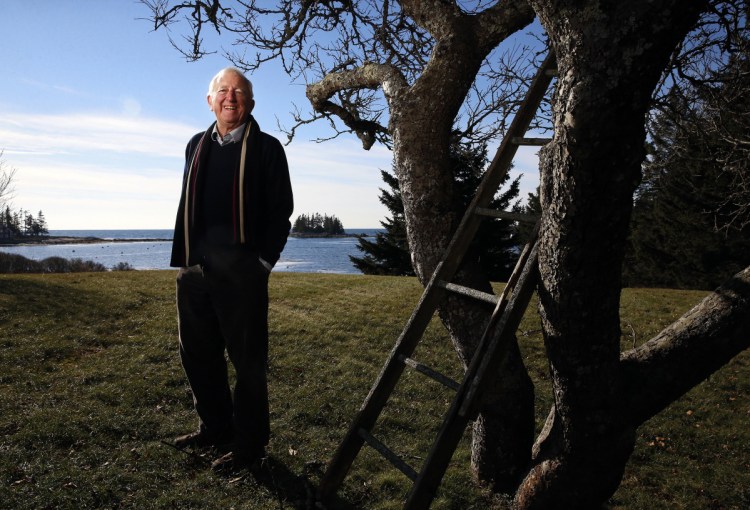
<point x="317" y="225"/>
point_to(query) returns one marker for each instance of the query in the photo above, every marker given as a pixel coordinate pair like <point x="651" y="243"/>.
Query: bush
<point x="12" y="263"/>
<point x="55" y="265"/>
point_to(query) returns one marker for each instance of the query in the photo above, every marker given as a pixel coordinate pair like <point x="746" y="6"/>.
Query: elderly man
<point x="232" y="224"/>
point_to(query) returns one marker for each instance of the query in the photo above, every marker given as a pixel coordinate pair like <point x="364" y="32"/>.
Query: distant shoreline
<point x="313" y="234"/>
<point x="51" y="240"/>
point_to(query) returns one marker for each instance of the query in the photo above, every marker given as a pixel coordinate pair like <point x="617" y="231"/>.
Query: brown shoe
<point x="200" y="439"/>
<point x="232" y="462"/>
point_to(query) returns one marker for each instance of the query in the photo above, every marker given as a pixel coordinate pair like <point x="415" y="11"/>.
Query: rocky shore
<point x="29" y="241"/>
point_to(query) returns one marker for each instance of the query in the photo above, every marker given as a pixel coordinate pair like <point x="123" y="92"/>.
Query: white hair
<point x="215" y="79"/>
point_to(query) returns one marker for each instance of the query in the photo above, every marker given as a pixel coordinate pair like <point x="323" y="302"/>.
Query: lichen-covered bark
<point x="688" y="351"/>
<point x="610" y="56"/>
<point x="421" y="124"/>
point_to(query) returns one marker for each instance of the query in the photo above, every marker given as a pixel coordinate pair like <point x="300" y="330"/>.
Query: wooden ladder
<point x="509" y="309"/>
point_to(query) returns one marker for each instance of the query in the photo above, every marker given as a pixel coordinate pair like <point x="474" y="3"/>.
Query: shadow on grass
<point x="292" y="488"/>
<point x="287" y="487"/>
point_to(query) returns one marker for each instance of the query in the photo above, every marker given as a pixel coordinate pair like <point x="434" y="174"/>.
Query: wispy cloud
<point x="47" y="86"/>
<point x="99" y="170"/>
<point x="88" y="132"/>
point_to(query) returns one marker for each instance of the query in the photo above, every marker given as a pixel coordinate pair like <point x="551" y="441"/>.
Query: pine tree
<point x="28" y="224"/>
<point x="493" y="245"/>
<point x="12" y="222"/>
<point x="389" y="253"/>
<point x="685" y="233"/>
<point x="40" y="224"/>
<point x="532" y="209"/>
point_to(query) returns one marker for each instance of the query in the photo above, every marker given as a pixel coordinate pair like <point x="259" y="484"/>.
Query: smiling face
<point x="231" y="101"/>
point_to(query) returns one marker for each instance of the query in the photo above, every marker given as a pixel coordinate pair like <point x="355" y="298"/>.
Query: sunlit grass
<point x="91" y="388"/>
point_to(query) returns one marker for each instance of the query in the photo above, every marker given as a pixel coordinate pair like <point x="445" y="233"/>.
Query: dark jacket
<point x="263" y="199"/>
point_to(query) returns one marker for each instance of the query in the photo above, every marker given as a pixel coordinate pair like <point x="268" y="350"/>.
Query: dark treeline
<point x="691" y="221"/>
<point x="21" y="223"/>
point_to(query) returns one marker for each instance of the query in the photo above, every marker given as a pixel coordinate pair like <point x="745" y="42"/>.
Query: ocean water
<point x="153" y="248"/>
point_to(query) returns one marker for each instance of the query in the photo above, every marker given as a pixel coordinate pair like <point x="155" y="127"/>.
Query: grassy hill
<point x="91" y="390"/>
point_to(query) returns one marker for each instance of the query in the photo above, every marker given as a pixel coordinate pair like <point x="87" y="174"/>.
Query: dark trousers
<point x="224" y="306"/>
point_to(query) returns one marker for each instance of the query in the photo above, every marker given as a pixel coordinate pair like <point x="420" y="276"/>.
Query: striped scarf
<point x="238" y="195"/>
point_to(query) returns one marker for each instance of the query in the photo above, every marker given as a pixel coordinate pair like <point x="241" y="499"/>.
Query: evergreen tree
<point x="40" y="225"/>
<point x="389" y="253"/>
<point x="685" y="233"/>
<point x="533" y="209"/>
<point x="12" y="222"/>
<point x="493" y="246"/>
<point x="28" y="224"/>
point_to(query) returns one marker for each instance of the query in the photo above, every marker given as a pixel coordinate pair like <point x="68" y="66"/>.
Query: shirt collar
<point x="233" y="136"/>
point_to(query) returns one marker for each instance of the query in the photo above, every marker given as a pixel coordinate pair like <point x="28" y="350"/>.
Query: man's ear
<point x="210" y="102"/>
<point x="250" y="105"/>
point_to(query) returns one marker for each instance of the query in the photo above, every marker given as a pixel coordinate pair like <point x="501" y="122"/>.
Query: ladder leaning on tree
<point x="509" y="309"/>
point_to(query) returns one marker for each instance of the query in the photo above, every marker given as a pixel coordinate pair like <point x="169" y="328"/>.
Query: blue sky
<point x="96" y="109"/>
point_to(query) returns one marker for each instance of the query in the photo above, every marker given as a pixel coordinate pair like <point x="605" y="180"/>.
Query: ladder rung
<point x="469" y="292"/>
<point x="530" y="141"/>
<point x="429" y="372"/>
<point x="527" y="218"/>
<point x="388" y="454"/>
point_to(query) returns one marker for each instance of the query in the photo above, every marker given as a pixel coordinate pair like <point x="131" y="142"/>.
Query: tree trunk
<point x="610" y="56"/>
<point x="421" y="123"/>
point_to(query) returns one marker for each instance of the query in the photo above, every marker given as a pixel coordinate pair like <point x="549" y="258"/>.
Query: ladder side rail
<point x="381" y="390"/>
<point x="424" y="488"/>
<point x="456" y="417"/>
<point x="415" y="327"/>
<point x="500" y="164"/>
<point x="502" y="302"/>
<point x="510" y="318"/>
<point x="434" y="467"/>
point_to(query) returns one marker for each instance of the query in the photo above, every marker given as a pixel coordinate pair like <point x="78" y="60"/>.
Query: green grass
<point x="91" y="388"/>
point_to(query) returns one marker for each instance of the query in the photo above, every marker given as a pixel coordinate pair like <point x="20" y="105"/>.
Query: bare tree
<point x="400" y="73"/>
<point x="6" y="182"/>
<point x="709" y="75"/>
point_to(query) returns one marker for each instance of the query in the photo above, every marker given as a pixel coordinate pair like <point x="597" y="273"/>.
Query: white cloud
<point x="339" y="178"/>
<point x="92" y="132"/>
<point x="99" y="171"/>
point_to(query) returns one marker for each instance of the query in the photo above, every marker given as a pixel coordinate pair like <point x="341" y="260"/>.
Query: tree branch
<point x="369" y="76"/>
<point x="688" y="351"/>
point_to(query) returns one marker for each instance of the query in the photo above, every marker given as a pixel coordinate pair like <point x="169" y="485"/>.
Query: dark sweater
<point x="260" y="199"/>
<point x="217" y="224"/>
